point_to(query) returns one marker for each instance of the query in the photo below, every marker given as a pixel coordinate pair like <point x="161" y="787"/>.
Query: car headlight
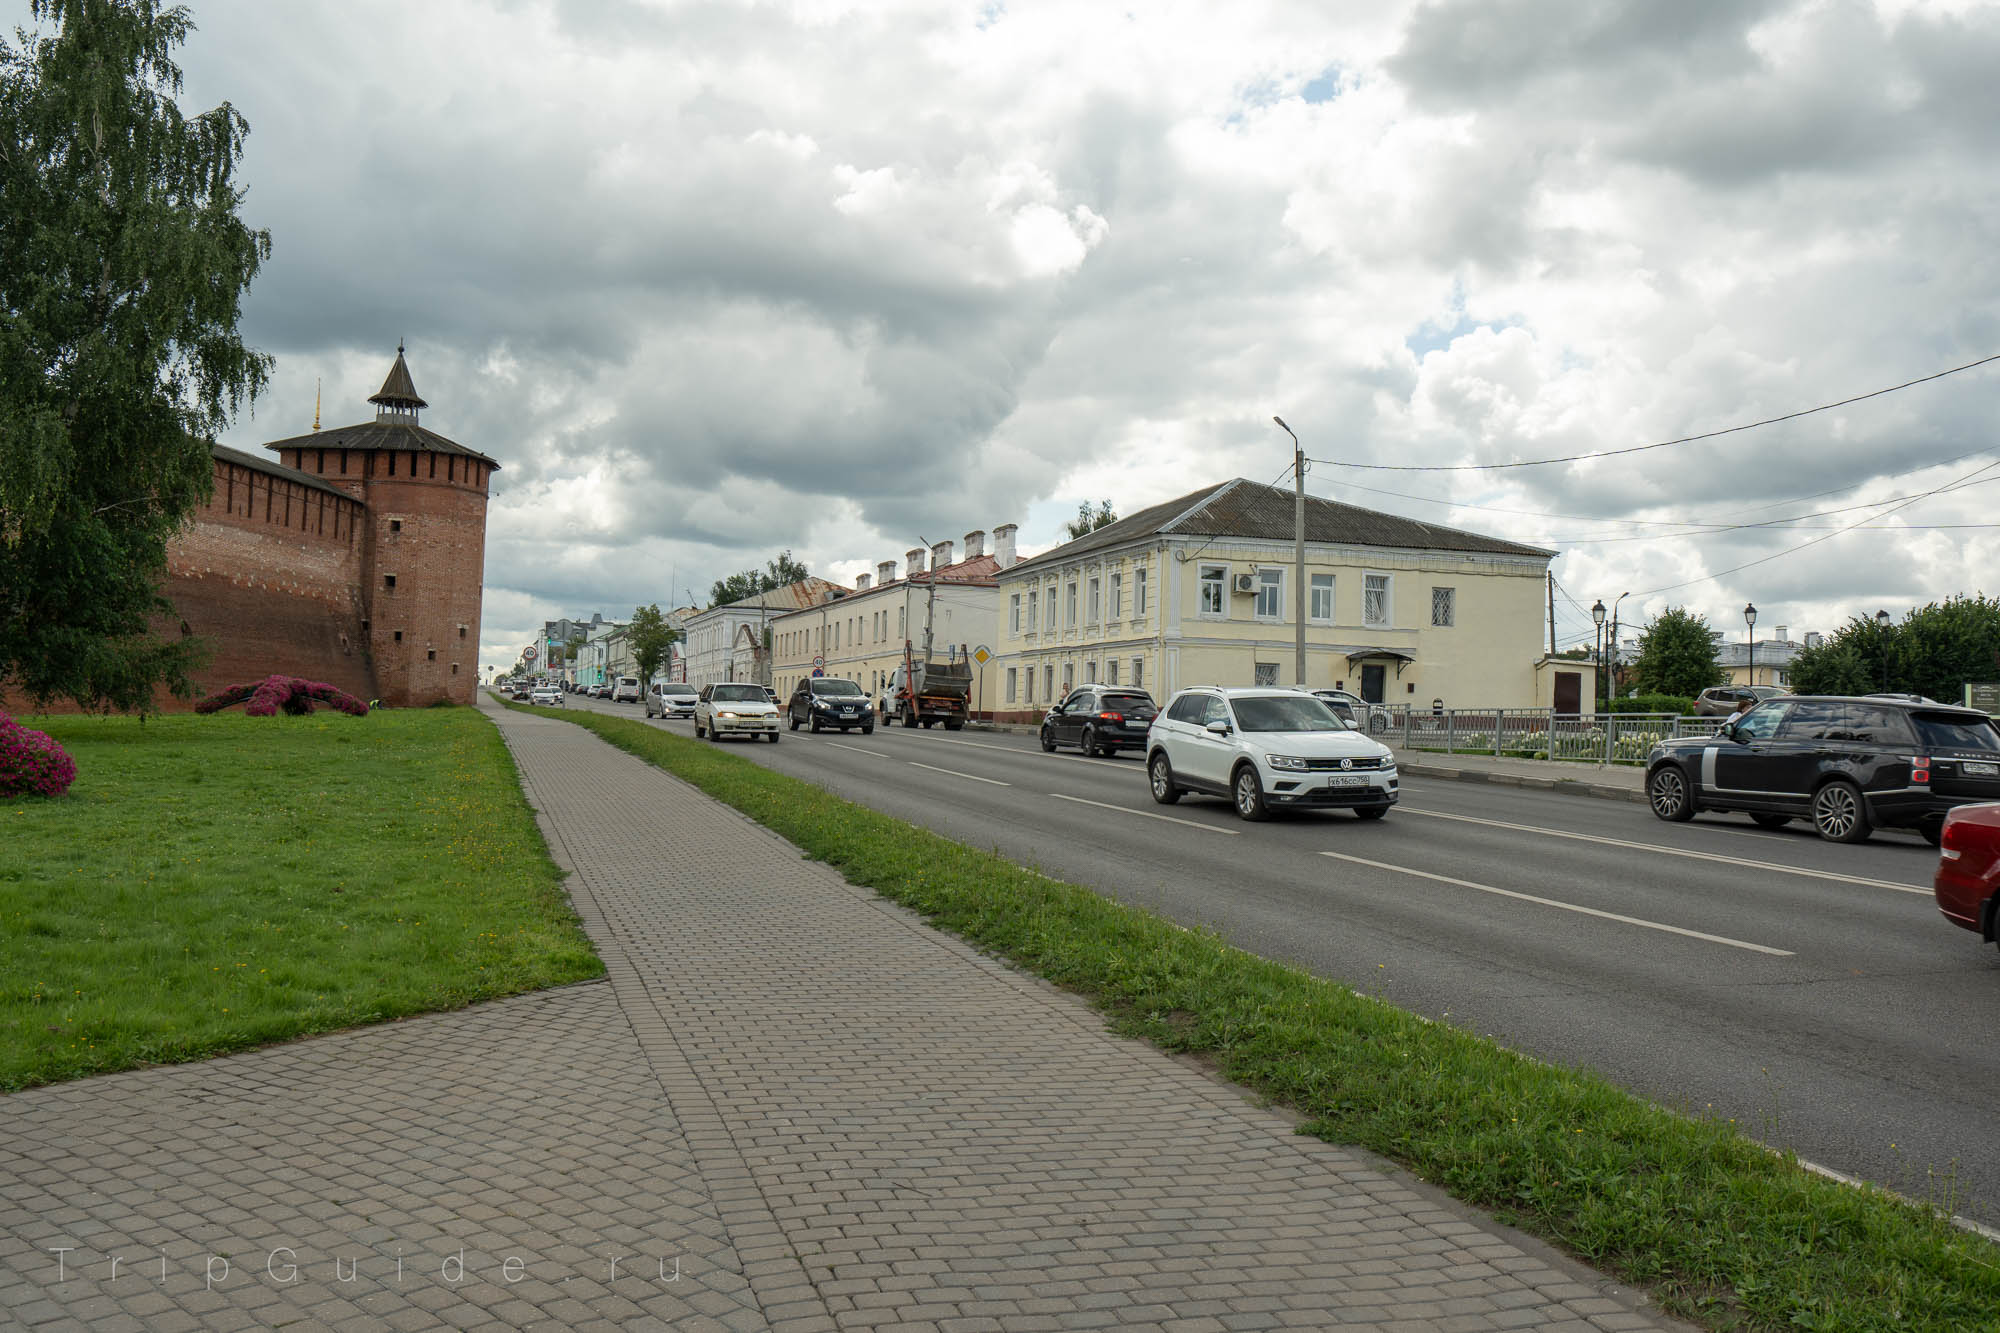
<point x="724" y="712"/>
<point x="1289" y="762"/>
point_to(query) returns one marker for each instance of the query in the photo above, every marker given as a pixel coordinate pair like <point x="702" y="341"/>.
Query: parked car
<point x="1721" y="700"/>
<point x="1851" y="765"/>
<point x="1968" y="872"/>
<point x="546" y="694"/>
<point x="735" y="709"/>
<point x="828" y="701"/>
<point x="670" y="698"/>
<point x="1101" y="719"/>
<point x="1266" y="748"/>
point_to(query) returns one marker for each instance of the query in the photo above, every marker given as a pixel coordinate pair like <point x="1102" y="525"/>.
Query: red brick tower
<point x="423" y="553"/>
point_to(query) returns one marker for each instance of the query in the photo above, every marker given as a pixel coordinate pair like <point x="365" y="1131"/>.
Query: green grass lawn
<point x="214" y="883"/>
<point x="1722" y="1231"/>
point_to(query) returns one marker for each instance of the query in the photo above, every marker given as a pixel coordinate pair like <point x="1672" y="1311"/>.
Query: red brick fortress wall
<point x="270" y="575"/>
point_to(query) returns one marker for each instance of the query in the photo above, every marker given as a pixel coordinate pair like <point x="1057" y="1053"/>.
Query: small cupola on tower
<point x="398" y="401"/>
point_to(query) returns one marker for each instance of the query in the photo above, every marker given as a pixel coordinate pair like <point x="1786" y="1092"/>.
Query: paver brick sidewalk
<point x="791" y="1105"/>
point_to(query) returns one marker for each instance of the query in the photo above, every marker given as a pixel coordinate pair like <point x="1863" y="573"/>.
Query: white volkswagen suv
<point x="1266" y="748"/>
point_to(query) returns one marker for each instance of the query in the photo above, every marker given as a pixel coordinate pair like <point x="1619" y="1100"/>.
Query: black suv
<point x="829" y="701"/>
<point x="1101" y="719"/>
<point x="1849" y="765"/>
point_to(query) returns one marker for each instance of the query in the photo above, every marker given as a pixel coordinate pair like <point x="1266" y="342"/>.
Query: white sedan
<point x="735" y="709"/>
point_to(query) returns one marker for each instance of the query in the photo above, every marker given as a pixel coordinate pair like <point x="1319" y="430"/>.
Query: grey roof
<point x="399" y="390"/>
<point x="1240" y="508"/>
<point x="278" y="470"/>
<point x="381" y="435"/>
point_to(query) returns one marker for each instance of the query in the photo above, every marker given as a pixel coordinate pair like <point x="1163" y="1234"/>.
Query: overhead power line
<point x="1660" y="444"/>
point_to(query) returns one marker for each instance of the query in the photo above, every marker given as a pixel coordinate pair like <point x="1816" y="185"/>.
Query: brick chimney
<point x="975" y="544"/>
<point x="1003" y="545"/>
<point x="913" y="560"/>
<point x="885" y="572"/>
<point x="861" y="583"/>
<point x="940" y="555"/>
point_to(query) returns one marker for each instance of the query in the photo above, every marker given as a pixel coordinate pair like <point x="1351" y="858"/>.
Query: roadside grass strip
<point x="216" y="883"/>
<point x="1721" y="1230"/>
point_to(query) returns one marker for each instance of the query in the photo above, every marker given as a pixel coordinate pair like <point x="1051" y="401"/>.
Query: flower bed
<point x="289" y="694"/>
<point x="31" y="763"/>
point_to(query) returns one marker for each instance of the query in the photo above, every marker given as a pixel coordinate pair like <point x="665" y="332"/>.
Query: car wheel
<point x="1160" y="774"/>
<point x="868" y="731"/>
<point x="1839" y="814"/>
<point x="1249" y="794"/>
<point x="773" y="735"/>
<point x="1667" y="792"/>
<point x="1371" y="811"/>
<point x="1933" y="831"/>
<point x="1048" y="741"/>
<point x="1770" y="821"/>
<point x="954" y="724"/>
<point x="812" y="726"/>
<point x="909" y="718"/>
<point x="697" y="728"/>
<point x="1089" y="745"/>
<point x="792" y="718"/>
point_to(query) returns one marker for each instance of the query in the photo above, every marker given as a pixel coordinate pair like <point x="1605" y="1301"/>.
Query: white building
<point x="730" y="642"/>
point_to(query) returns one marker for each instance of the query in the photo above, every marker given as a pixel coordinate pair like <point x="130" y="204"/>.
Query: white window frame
<point x="1114" y="606"/>
<point x="1069" y="605"/>
<point x="1138" y="673"/>
<point x="1387" y="620"/>
<point x="1270" y="578"/>
<point x="1450" y="620"/>
<point x="1207" y="577"/>
<point x="1330" y="583"/>
<point x="1094" y="604"/>
<point x="1034" y="597"/>
<point x="1110" y="671"/>
<point x="1013" y="683"/>
<point x="1014" y="620"/>
<point x="1139" y="593"/>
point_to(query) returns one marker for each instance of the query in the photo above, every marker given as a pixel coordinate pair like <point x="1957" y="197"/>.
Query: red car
<point x="1969" y="868"/>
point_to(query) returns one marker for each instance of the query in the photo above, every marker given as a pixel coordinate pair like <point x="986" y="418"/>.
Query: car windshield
<point x="739" y="694"/>
<point x="843" y="688"/>
<point x="678" y="691"/>
<point x="1285" y="712"/>
<point x="1955" y="731"/>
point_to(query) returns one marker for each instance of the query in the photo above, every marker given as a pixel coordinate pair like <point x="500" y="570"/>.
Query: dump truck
<point x="923" y="692"/>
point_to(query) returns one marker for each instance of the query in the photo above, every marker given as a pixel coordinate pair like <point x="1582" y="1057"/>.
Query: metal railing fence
<point x="1532" y="733"/>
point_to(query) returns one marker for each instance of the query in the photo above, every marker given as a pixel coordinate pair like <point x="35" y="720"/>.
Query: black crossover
<point x="829" y="701"/>
<point x="1101" y="719"/>
<point x="1849" y="765"/>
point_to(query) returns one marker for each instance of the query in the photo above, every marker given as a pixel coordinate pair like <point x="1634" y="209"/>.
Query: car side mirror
<point x="1218" y="728"/>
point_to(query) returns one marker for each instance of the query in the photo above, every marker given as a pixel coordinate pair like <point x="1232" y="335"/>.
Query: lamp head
<point x="1881" y="620"/>
<point x="1597" y="613"/>
<point x="1750" y="614"/>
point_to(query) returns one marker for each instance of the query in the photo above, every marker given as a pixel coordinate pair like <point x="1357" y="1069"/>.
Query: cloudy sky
<point x="720" y="277"/>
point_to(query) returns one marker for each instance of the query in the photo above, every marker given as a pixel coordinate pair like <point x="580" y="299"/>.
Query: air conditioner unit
<point x="1246" y="583"/>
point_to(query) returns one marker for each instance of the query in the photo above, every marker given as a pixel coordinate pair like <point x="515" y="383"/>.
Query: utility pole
<point x="930" y="603"/>
<point x="1552" y="615"/>
<point x="1298" y="555"/>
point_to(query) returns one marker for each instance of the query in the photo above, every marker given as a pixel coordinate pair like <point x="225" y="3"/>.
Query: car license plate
<point x="1974" y="769"/>
<point x="1347" y="780"/>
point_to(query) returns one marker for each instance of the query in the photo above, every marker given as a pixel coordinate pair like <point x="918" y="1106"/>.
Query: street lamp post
<point x="1750" y="633"/>
<point x="1614" y="642"/>
<point x="1597" y="619"/>
<point x="1298" y="555"/>
<point x="1882" y="624"/>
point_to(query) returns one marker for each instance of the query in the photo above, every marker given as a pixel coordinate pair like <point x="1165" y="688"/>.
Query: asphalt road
<point x="1807" y="990"/>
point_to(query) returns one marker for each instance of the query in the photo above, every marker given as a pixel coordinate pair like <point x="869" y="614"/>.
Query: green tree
<point x="1676" y="655"/>
<point x="122" y="270"/>
<point x="1088" y="520"/>
<point x="1933" y="652"/>
<point x="649" y="635"/>
<point x="781" y="572"/>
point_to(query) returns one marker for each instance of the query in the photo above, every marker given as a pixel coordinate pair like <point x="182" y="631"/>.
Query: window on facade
<point x="1069" y="607"/>
<point x="461" y="631"/>
<point x="1014" y="614"/>
<point x="1069" y="677"/>
<point x="1138" y="592"/>
<point x="431" y="656"/>
<point x="1031" y="610"/>
<point x="395" y="525"/>
<point x="1267" y="673"/>
<point x="1096" y="601"/>
<point x="1013" y="683"/>
<point x="1048" y="682"/>
<point x="1116" y="607"/>
<point x="1442" y="610"/>
<point x="388" y="580"/>
<point x="1090" y="673"/>
<point x="1214" y="589"/>
<point x="1375" y="600"/>
<point x="1138" y="673"/>
<point x="399" y="636"/>
<point x="1110" y="671"/>
<point x="902" y="617"/>
<point x="1270" y="594"/>
<point x="1321" y="606"/>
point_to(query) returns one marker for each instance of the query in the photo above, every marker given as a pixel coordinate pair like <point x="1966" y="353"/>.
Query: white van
<point x="627" y="690"/>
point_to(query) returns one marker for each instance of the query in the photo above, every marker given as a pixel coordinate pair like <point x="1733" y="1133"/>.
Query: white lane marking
<point x="1671" y="851"/>
<point x="1025" y="751"/>
<point x="1147" y="814"/>
<point x="992" y="782"/>
<point x="858" y="750"/>
<point x="1567" y="907"/>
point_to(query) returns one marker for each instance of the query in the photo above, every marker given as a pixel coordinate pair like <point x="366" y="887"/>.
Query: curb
<point x="1566" y="786"/>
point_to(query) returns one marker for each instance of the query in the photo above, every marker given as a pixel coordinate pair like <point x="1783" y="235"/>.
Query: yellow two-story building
<point x="1200" y="590"/>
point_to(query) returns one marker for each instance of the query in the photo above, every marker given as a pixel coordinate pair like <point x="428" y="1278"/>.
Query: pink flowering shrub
<point x="31" y="763"/>
<point x="265" y="698"/>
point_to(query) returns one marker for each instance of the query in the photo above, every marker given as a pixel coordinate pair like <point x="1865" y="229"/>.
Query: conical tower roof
<point x="399" y="392"/>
